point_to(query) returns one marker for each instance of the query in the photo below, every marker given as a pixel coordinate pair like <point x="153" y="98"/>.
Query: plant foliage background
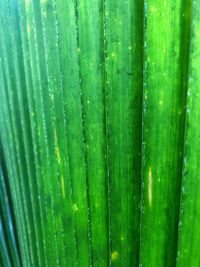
<point x="99" y="133"/>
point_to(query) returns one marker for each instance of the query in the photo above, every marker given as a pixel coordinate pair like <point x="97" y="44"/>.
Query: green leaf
<point x="165" y="86"/>
<point x="189" y="230"/>
<point x="123" y="74"/>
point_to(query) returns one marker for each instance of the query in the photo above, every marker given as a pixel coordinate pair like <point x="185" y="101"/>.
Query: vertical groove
<point x="143" y="110"/>
<point x="4" y="255"/>
<point x="19" y="75"/>
<point x="6" y="209"/>
<point x="5" y="132"/>
<point x="106" y="130"/>
<point x="46" y="168"/>
<point x="16" y="142"/>
<point x="65" y="123"/>
<point x="29" y="85"/>
<point x="186" y="22"/>
<point x="187" y="234"/>
<point x="163" y="118"/>
<point x="124" y="100"/>
<point x="84" y="134"/>
<point x="52" y="92"/>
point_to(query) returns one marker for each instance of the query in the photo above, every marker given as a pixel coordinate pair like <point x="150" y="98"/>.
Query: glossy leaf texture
<point x="166" y="45"/>
<point x="189" y="228"/>
<point x="99" y="133"/>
